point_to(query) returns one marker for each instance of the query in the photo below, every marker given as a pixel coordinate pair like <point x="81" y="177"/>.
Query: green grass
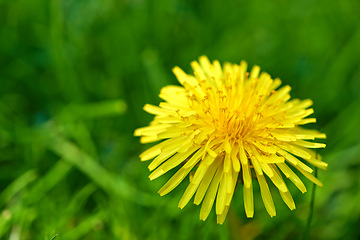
<point x="75" y="75"/>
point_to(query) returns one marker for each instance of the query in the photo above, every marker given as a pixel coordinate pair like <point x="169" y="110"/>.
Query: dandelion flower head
<point x="228" y="127"/>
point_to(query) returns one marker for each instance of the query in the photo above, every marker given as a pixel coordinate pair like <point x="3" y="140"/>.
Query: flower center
<point x="231" y="116"/>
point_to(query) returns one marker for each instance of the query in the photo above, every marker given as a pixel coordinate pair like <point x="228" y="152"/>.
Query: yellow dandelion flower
<point x="230" y="126"/>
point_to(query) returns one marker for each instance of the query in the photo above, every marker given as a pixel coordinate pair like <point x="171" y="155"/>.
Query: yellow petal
<point x="286" y="196"/>
<point x="310" y="176"/>
<point x="204" y="185"/>
<point x="234" y="158"/>
<point x="292" y="176"/>
<point x="246" y="175"/>
<point x="309" y="144"/>
<point x="171" y="163"/>
<point x="210" y="195"/>
<point x="249" y="201"/>
<point x="266" y="195"/>
<point x="221" y="196"/>
<point x="152" y="152"/>
<point x="194" y="184"/>
<point x="174" y="181"/>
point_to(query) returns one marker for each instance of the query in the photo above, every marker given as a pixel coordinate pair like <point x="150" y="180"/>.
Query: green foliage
<point x="75" y="75"/>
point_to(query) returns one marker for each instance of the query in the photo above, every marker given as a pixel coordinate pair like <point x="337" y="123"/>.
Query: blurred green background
<point x="75" y="75"/>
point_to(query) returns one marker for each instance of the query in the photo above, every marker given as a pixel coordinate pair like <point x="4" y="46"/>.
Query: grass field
<point x="75" y="75"/>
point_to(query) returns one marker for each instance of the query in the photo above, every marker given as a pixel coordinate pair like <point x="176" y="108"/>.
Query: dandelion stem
<point x="311" y="210"/>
